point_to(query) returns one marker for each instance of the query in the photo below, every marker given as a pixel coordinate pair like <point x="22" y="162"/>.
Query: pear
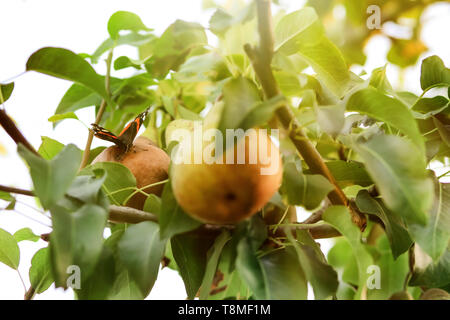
<point x="227" y="193"/>
<point x="435" y="294"/>
<point x="401" y="295"/>
<point x="148" y="163"/>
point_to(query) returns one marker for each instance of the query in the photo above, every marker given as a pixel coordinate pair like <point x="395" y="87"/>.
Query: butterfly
<point x="125" y="138"/>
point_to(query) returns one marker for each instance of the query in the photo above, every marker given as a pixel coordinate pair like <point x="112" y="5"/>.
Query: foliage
<point x="376" y="142"/>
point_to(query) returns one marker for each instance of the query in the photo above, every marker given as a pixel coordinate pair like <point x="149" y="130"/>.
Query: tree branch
<point x="12" y="130"/>
<point x="17" y="190"/>
<point x="29" y="295"/>
<point x="130" y="215"/>
<point x="261" y="60"/>
<point x="101" y="110"/>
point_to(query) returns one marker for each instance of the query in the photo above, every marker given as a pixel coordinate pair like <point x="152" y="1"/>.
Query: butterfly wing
<point x="131" y="130"/>
<point x="107" y="135"/>
<point x="125" y="139"/>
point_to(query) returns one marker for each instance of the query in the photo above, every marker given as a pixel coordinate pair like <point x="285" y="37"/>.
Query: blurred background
<point x="408" y="31"/>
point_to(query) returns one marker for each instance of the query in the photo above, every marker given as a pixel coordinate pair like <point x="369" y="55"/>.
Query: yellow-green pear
<point x="227" y="193"/>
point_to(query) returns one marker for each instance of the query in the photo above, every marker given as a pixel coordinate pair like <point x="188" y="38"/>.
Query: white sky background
<point x="27" y="25"/>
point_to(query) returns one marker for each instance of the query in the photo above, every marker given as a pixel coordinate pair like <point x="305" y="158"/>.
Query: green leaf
<point x="379" y="80"/>
<point x="339" y="218"/>
<point x="87" y="188"/>
<point x="444" y="131"/>
<point x="58" y="117"/>
<point x="52" y="178"/>
<point x="119" y="182"/>
<point x="230" y="284"/>
<point x="396" y="231"/>
<point x="434" y="73"/>
<point x="173" y="47"/>
<point x="331" y="119"/>
<point x="25" y="234"/>
<point x="393" y="112"/>
<point x="178" y="111"/>
<point x="239" y="97"/>
<point x="341" y="257"/>
<point x="9" y="250"/>
<point x="99" y="284"/>
<point x="131" y="39"/>
<point x="320" y="274"/>
<point x="434" y="237"/>
<point x="6" y="91"/>
<point x="249" y="268"/>
<point x="234" y="288"/>
<point x="329" y="64"/>
<point x="77" y="97"/>
<point x="173" y="220"/>
<point x="288" y="82"/>
<point x="297" y="28"/>
<point x="435" y="275"/>
<point x="213" y="260"/>
<point x="124" y="20"/>
<point x="221" y="21"/>
<point x="283" y="276"/>
<point x="392" y="272"/>
<point x="49" y="148"/>
<point x="141" y="250"/>
<point x="40" y="271"/>
<point x="303" y="190"/>
<point x="189" y="251"/>
<point x="349" y="173"/>
<point x="204" y="67"/>
<point x="153" y="204"/>
<point x="399" y="175"/>
<point x="430" y="106"/>
<point x="65" y="64"/>
<point x="272" y="275"/>
<point x="123" y="286"/>
<point x="76" y="239"/>
<point x="125" y="62"/>
<point x="261" y="113"/>
<point x="6" y="196"/>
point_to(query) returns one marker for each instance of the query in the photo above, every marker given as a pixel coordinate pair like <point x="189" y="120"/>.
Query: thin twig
<point x="17" y="190"/>
<point x="101" y="110"/>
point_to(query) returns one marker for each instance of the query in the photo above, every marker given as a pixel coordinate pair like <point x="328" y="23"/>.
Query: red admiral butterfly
<point x="125" y="139"/>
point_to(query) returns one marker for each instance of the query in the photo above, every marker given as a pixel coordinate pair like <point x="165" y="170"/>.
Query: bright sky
<point x="81" y="26"/>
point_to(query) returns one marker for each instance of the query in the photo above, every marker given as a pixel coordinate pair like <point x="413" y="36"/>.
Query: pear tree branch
<point x="261" y="57"/>
<point x="130" y="215"/>
<point x="12" y="130"/>
<point x="101" y="110"/>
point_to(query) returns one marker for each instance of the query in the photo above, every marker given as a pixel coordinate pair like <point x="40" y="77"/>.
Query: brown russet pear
<point x="227" y="193"/>
<point x="148" y="163"/>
